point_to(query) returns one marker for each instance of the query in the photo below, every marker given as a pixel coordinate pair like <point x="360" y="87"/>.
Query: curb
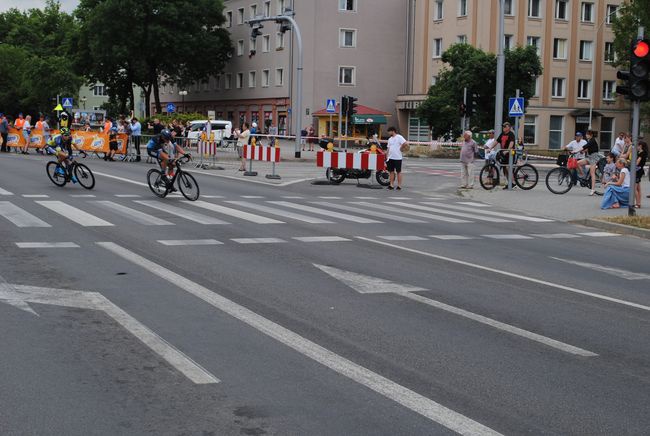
<point x="614" y="227"/>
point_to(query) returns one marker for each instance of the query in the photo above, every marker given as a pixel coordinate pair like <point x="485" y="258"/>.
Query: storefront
<point x="366" y="122"/>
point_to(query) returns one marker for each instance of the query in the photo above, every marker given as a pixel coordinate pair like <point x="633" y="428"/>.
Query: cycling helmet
<point x="166" y="134"/>
<point x="65" y="131"/>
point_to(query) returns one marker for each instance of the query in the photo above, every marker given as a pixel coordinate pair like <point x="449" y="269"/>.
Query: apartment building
<point x="571" y="36"/>
<point x="351" y="47"/>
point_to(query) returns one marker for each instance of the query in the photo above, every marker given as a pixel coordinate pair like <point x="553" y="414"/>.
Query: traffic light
<point x="344" y="105"/>
<point x="637" y="80"/>
<point x="352" y="105"/>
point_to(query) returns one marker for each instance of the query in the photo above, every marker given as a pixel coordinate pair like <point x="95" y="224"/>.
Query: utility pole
<point x="463" y="122"/>
<point x="501" y="68"/>
<point x="636" y="119"/>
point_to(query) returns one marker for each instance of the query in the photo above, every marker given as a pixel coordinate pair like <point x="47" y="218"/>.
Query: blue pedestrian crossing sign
<point x="516" y="107"/>
<point x="330" y="108"/>
<point x="67" y="102"/>
<point x="171" y="108"/>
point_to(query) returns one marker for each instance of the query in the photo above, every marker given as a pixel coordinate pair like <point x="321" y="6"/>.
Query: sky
<point x="66" y="5"/>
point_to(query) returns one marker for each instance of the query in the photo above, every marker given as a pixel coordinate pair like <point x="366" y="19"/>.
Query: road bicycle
<point x="61" y="174"/>
<point x="161" y="185"/>
<point x="560" y="180"/>
<point x="524" y="175"/>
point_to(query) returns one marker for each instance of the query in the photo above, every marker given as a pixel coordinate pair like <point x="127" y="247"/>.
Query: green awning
<point x="369" y="119"/>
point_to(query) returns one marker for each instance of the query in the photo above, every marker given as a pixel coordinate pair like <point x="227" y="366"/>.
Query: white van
<point x="221" y="129"/>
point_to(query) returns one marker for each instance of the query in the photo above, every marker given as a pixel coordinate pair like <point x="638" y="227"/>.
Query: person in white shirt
<point x="619" y="144"/>
<point x="27" y="133"/>
<point x="576" y="146"/>
<point x="396" y="145"/>
<point x="617" y="191"/>
<point x="490" y="146"/>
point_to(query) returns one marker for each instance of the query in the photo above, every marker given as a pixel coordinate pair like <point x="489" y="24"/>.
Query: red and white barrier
<point x="263" y="153"/>
<point x="207" y="148"/>
<point x="357" y="161"/>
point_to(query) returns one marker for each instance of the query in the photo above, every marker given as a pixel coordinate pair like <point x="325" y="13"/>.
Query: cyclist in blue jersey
<point x="163" y="148"/>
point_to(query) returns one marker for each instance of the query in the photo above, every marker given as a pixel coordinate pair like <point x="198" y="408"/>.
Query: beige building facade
<point x="571" y="36"/>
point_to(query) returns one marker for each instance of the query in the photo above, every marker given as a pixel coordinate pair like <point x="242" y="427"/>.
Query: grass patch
<point x="636" y="221"/>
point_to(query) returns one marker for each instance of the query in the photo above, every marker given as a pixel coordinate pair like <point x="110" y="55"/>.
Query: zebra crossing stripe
<point x="180" y="212"/>
<point x="451" y="212"/>
<point x="234" y="213"/>
<point x="280" y="212"/>
<point x="519" y="217"/>
<point x="326" y="212"/>
<point x="20" y="217"/>
<point x="132" y="214"/>
<point x="398" y="210"/>
<point x="5" y="192"/>
<point x="73" y="214"/>
<point x="369" y="212"/>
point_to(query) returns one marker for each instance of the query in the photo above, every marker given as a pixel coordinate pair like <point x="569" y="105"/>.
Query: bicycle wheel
<point x="84" y="176"/>
<point x="489" y="177"/>
<point x="56" y="178"/>
<point x="559" y="180"/>
<point x="157" y="183"/>
<point x="335" y="176"/>
<point x="188" y="186"/>
<point x="526" y="176"/>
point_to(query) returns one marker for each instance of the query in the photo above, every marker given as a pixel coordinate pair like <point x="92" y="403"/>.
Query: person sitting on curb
<point x="617" y="192"/>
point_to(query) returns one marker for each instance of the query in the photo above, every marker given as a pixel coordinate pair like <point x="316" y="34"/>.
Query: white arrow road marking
<point x="628" y="275"/>
<point x="368" y="285"/>
<point x="20" y="296"/>
<point x="388" y="388"/>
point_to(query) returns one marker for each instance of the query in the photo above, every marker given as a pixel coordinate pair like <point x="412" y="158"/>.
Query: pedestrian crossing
<point x="90" y="212"/>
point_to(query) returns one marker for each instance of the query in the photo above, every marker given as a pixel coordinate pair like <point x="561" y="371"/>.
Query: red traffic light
<point x="641" y="49"/>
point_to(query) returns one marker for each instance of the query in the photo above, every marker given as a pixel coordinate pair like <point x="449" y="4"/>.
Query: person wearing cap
<point x="490" y="146"/>
<point x="506" y="142"/>
<point x="575" y="147"/>
<point x="4" y="132"/>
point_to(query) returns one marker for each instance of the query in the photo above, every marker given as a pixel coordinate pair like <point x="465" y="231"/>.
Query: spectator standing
<point x="157" y="127"/>
<point x="506" y="142"/>
<point x="396" y="145"/>
<point x="617" y="192"/>
<point x="243" y="136"/>
<point x="619" y="144"/>
<point x="311" y="133"/>
<point x="641" y="158"/>
<point x="467" y="156"/>
<point x="136" y="135"/>
<point x="108" y="125"/>
<point x="19" y="122"/>
<point x="490" y="146"/>
<point x="4" y="131"/>
<point x="112" y="144"/>
<point x="27" y="133"/>
<point x="253" y="133"/>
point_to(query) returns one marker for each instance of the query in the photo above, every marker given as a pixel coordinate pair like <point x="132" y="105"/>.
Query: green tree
<point x="472" y="68"/>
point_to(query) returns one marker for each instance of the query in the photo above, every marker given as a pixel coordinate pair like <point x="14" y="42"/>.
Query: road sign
<point x="67" y="102"/>
<point x="171" y="107"/>
<point x="516" y="107"/>
<point x="331" y="106"/>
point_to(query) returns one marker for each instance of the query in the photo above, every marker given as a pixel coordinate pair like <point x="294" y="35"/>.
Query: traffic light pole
<point x="501" y="68"/>
<point x="636" y="119"/>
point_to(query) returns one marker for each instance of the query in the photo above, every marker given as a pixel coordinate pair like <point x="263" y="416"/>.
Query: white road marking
<point x="73" y="214"/>
<point x="374" y="213"/>
<point x="251" y="196"/>
<point x="5" y="192"/>
<point x="329" y="198"/>
<point x="183" y="213"/>
<point x="281" y="212"/>
<point x="321" y="239"/>
<point x="292" y="197"/>
<point x="258" y="240"/>
<point x="512" y="275"/>
<point x="46" y="245"/>
<point x="127" y="195"/>
<point x="248" y="179"/>
<point x="36" y="196"/>
<point x="366" y="198"/>
<point x="213" y="196"/>
<point x="472" y="203"/>
<point x="121" y="179"/>
<point x="505" y="236"/>
<point x="20" y="217"/>
<point x="400" y="198"/>
<point x="617" y="272"/>
<point x="132" y="214"/>
<point x="398" y="210"/>
<point x="520" y="217"/>
<point x="473" y="216"/>
<point x="403" y="238"/>
<point x="95" y="301"/>
<point x="383" y="386"/>
<point x="555" y="235"/>
<point x="325" y="212"/>
<point x="257" y="219"/>
<point x="598" y="234"/>
<point x="82" y="195"/>
<point x="369" y="284"/>
<point x="451" y="237"/>
<point x="176" y="243"/>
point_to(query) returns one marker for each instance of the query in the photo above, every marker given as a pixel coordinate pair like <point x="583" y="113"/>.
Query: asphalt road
<point x="302" y="309"/>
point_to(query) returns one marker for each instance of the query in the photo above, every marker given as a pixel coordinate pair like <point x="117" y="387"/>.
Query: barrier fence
<point x="347" y="160"/>
<point x="93" y="142"/>
<point x="261" y="153"/>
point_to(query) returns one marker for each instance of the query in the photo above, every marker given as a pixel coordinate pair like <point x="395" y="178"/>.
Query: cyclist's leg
<point x="163" y="158"/>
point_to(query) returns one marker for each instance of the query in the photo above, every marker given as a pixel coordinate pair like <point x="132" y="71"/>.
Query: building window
<point x="267" y="9"/>
<point x="253" y="11"/>
<point x="266" y="74"/>
<point x="227" y="84"/>
<point x="217" y="81"/>
<point x="534" y="8"/>
<point x="252" y="78"/>
<point x="585" y="50"/>
<point x="239" y="81"/>
<point x="611" y="13"/>
<point x="240" y="47"/>
<point x="536" y="92"/>
<point x="347" y="76"/>
<point x="280" y="7"/>
<point x="587" y="14"/>
<point x="279" y="77"/>
<point x="610" y="53"/>
<point x="530" y="129"/>
<point x="507" y="42"/>
<point x="434" y="80"/>
<point x="347" y="38"/>
<point x="348" y="5"/>
<point x="279" y="41"/>
<point x="561" y="10"/>
<point x="437" y="47"/>
<point x="583" y="88"/>
<point x="252" y="44"/>
<point x="206" y="85"/>
<point x="609" y="88"/>
<point x="266" y="43"/>
<point x="559" y="48"/>
<point x="438" y="13"/>
<point x="462" y="39"/>
<point x="555" y="132"/>
<point x="99" y="90"/>
<point x="606" y="134"/>
<point x="557" y="87"/>
<point x="462" y="8"/>
<point x="229" y="19"/>
<point x="508" y="8"/>
<point x="535" y="42"/>
<point x="240" y="16"/>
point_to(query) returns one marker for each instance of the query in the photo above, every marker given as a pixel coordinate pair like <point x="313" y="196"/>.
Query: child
<point x="112" y="144"/>
<point x="609" y="172"/>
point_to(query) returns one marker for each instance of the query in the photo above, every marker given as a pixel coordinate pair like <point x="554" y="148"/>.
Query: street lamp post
<point x="182" y="94"/>
<point x="501" y="66"/>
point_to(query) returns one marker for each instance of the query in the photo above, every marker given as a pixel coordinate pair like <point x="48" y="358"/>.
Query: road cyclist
<point x="66" y="169"/>
<point x="161" y="181"/>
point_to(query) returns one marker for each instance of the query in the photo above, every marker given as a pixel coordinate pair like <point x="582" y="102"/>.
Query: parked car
<point x="221" y="129"/>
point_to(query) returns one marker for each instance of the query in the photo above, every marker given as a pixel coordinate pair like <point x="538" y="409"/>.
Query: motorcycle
<point x="338" y="175"/>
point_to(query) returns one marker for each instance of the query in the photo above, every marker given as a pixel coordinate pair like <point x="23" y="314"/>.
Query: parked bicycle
<point x="560" y="180"/>
<point x="161" y="185"/>
<point x="524" y="175"/>
<point x="60" y="174"/>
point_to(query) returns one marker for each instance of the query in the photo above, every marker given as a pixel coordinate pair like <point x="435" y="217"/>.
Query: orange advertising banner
<point x="94" y="142"/>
